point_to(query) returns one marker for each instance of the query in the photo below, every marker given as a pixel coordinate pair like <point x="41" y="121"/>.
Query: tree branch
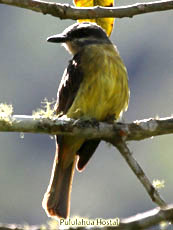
<point x="65" y="11"/>
<point x="140" y="221"/>
<point x="90" y="129"/>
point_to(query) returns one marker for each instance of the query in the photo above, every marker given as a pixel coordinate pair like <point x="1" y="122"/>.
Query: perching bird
<point x="94" y="85"/>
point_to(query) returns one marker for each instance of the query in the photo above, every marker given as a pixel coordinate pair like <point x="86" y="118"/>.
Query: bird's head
<point x="78" y="35"/>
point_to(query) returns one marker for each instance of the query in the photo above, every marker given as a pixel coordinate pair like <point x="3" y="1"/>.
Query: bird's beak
<point x="58" y="38"/>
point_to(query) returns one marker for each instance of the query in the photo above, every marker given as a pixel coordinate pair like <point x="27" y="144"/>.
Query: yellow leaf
<point x="105" y="23"/>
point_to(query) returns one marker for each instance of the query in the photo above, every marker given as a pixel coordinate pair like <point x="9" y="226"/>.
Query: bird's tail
<point x="56" y="201"/>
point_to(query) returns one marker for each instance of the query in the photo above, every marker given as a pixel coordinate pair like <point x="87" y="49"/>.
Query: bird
<point x="93" y="86"/>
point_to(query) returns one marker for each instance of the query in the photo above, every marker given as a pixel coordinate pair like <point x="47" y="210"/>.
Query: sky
<point x="31" y="69"/>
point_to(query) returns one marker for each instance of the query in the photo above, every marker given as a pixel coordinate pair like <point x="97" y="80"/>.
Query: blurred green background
<point x="31" y="69"/>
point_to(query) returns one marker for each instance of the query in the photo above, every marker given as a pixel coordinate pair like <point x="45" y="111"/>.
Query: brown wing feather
<point x="69" y="85"/>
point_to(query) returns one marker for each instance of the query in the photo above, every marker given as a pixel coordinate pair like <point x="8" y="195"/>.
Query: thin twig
<point x="136" y="168"/>
<point x="147" y="219"/>
<point x="65" y="11"/>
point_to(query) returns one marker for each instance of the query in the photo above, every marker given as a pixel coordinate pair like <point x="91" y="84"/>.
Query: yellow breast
<point x="104" y="90"/>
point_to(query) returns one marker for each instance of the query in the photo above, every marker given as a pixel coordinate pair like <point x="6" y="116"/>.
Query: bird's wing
<point x="69" y="85"/>
<point x="85" y="153"/>
<point x="67" y="91"/>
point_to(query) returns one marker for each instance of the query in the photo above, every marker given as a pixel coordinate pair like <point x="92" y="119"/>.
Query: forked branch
<point x="117" y="134"/>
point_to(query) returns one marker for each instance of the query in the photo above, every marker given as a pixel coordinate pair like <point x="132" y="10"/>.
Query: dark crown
<point x="84" y="30"/>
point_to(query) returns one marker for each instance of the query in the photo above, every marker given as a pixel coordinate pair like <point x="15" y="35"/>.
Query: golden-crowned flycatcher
<point x="94" y="85"/>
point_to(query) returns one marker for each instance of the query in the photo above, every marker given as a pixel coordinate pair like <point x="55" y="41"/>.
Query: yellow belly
<point x="104" y="89"/>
